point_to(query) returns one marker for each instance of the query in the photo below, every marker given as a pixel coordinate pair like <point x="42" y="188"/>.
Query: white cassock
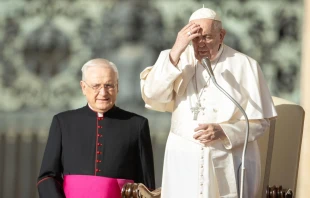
<point x="191" y="169"/>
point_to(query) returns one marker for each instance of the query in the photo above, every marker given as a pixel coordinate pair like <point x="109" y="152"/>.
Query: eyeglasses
<point x="98" y="87"/>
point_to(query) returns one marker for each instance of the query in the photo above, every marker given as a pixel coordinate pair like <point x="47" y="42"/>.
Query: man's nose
<point x="102" y="91"/>
<point x="201" y="42"/>
<point x="200" y="39"/>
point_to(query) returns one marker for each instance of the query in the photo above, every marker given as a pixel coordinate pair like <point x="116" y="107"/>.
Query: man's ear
<point x="222" y="35"/>
<point x="83" y="87"/>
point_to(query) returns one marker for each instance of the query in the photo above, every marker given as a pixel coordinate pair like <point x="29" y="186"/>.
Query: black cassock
<point x="117" y="145"/>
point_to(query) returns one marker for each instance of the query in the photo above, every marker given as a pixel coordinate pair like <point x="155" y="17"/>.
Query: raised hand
<point x="184" y="37"/>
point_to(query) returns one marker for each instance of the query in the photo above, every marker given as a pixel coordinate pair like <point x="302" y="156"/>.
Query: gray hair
<point x="217" y="25"/>
<point x="98" y="62"/>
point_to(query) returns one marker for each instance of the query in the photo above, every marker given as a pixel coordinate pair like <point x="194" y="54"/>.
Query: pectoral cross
<point x="197" y="109"/>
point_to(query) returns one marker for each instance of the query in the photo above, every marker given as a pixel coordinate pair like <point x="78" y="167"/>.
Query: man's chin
<point x="104" y="107"/>
<point x="199" y="57"/>
<point x="203" y="55"/>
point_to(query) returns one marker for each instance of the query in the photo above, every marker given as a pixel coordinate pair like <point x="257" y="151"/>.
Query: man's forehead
<point x="203" y="21"/>
<point x="94" y="81"/>
<point x="99" y="73"/>
<point x="93" y="70"/>
<point x="205" y="25"/>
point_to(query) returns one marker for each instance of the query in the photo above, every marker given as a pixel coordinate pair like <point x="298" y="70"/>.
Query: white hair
<point x="98" y="62"/>
<point x="217" y="25"/>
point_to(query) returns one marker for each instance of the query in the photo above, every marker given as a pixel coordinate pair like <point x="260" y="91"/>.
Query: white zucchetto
<point x="205" y="13"/>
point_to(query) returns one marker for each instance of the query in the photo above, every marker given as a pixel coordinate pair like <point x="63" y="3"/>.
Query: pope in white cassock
<point x="204" y="147"/>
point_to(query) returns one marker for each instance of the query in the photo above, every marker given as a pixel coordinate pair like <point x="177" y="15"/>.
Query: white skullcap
<point x="204" y="13"/>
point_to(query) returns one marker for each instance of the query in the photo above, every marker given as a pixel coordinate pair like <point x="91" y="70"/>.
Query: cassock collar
<point x="215" y="60"/>
<point x="93" y="113"/>
<point x="218" y="54"/>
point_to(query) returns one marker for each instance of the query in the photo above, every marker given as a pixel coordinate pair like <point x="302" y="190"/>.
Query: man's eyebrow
<point x="108" y="82"/>
<point x="207" y="34"/>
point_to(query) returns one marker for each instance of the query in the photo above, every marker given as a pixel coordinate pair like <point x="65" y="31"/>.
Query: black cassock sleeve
<point x="146" y="175"/>
<point x="50" y="177"/>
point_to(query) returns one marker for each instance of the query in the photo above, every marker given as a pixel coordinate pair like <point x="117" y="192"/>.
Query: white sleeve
<point x="159" y="80"/>
<point x="235" y="131"/>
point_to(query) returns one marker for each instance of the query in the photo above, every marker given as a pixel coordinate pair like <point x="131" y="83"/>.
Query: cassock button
<point x="98" y="161"/>
<point x="99" y="144"/>
<point x="98" y="170"/>
<point x="99" y="127"/>
<point x="98" y="152"/>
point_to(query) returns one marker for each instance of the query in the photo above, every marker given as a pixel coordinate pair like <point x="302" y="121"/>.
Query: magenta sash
<point x="89" y="186"/>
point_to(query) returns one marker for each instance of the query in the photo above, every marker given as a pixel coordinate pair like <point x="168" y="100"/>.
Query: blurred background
<point x="44" y="43"/>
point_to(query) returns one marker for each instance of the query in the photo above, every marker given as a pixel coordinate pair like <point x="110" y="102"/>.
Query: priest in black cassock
<point x="94" y="150"/>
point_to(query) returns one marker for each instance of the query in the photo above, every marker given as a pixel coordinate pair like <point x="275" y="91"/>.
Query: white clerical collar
<point x="98" y="113"/>
<point x="218" y="54"/>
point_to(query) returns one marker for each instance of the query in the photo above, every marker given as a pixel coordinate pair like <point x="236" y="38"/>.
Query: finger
<point x="212" y="137"/>
<point x="195" y="29"/>
<point x="187" y="26"/>
<point x="202" y="127"/>
<point x="192" y="28"/>
<point x="209" y="136"/>
<point x="198" y="128"/>
<point x="206" y="141"/>
<point x="198" y="134"/>
<point x="193" y="35"/>
<point x="204" y="137"/>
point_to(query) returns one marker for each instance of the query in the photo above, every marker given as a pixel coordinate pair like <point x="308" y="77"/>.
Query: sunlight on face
<point x="100" y="88"/>
<point x="209" y="41"/>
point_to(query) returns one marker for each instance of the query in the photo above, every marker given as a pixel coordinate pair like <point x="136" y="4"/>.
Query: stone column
<point x="303" y="182"/>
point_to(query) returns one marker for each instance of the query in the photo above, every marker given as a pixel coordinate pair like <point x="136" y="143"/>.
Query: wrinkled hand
<point x="185" y="35"/>
<point x="207" y="133"/>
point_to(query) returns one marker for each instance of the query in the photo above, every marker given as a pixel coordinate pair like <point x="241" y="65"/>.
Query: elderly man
<point x="94" y="150"/>
<point x="204" y="146"/>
